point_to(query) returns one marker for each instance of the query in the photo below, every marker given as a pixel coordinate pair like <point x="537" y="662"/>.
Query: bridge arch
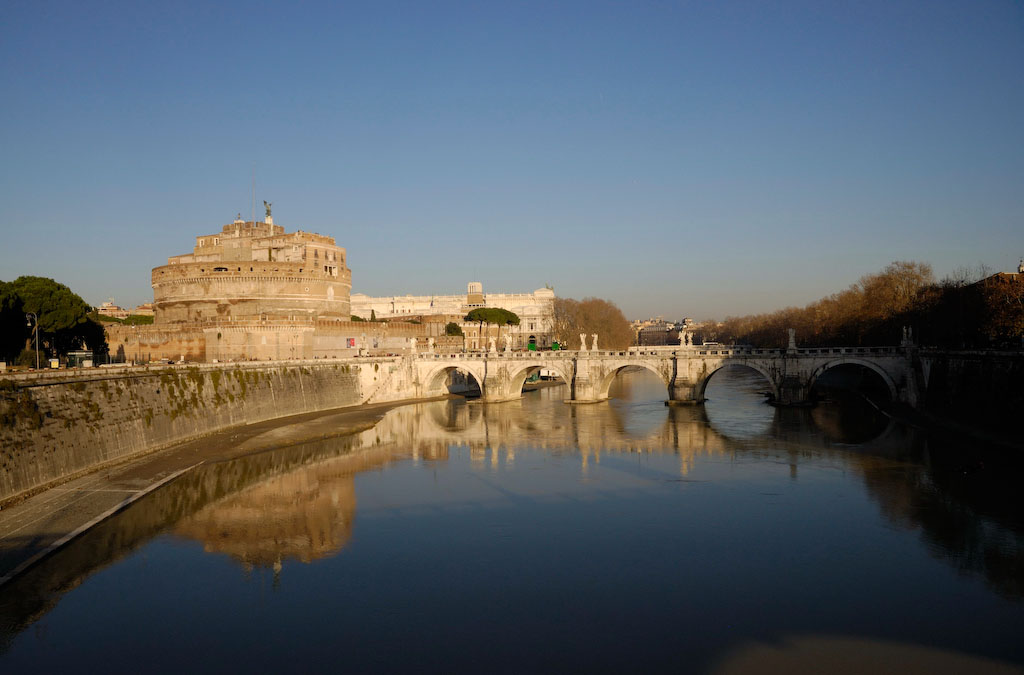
<point x="433" y="382"/>
<point x="764" y="372"/>
<point x="606" y="382"/>
<point x="874" y="367"/>
<point x="520" y="371"/>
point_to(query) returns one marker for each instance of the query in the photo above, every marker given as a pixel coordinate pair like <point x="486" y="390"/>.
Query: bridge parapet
<point x="498" y="356"/>
<point x="661" y="354"/>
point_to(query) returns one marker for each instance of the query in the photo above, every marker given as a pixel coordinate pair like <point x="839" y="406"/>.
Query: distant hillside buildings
<point x="658" y="331"/>
<point x="108" y="308"/>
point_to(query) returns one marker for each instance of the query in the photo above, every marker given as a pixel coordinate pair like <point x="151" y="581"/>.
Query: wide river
<point x="537" y="536"/>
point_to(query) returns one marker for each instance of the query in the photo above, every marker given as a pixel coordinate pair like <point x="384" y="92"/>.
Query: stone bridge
<point x="685" y="371"/>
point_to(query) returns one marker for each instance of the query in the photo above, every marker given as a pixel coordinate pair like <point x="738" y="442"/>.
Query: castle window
<point x="220" y="269"/>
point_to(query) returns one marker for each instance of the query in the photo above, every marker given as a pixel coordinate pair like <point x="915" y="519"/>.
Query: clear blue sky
<point x="678" y="158"/>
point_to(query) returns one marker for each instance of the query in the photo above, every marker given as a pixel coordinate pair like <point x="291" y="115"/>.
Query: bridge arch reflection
<point x="605" y="387"/>
<point x="769" y="381"/>
<point x="301" y="503"/>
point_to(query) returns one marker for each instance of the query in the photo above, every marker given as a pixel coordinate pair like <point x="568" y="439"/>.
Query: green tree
<point x="493" y="315"/>
<point x="506" y="318"/>
<point x="14" y="331"/>
<point x="103" y="318"/>
<point x="63" y="316"/>
<point x="480" y="316"/>
<point x="90" y="334"/>
<point x="453" y="329"/>
<point x="373" y="315"/>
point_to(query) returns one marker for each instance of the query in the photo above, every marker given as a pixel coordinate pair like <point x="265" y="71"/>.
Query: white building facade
<point x="535" y="311"/>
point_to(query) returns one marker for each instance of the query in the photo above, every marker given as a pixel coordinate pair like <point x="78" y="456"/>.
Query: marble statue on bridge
<point x="508" y="342"/>
<point x="594" y="335"/>
<point x="494" y="344"/>
<point x="583" y="342"/>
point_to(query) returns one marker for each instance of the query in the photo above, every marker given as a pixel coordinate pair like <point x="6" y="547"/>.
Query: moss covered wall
<point x="53" y="427"/>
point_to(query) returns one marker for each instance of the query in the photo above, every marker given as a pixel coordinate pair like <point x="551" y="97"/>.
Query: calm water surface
<point x="540" y="536"/>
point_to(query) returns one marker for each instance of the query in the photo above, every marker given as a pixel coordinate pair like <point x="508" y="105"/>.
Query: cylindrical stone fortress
<point x="254" y="271"/>
<point x="193" y="292"/>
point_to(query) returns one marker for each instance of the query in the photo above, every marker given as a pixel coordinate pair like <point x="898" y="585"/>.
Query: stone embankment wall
<point x="56" y="425"/>
<point x="984" y="390"/>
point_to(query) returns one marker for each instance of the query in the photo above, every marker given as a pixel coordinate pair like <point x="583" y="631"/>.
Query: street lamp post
<point x="35" y="320"/>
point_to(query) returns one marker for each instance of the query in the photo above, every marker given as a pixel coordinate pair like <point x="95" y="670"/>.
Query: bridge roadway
<point x="685" y="371"/>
